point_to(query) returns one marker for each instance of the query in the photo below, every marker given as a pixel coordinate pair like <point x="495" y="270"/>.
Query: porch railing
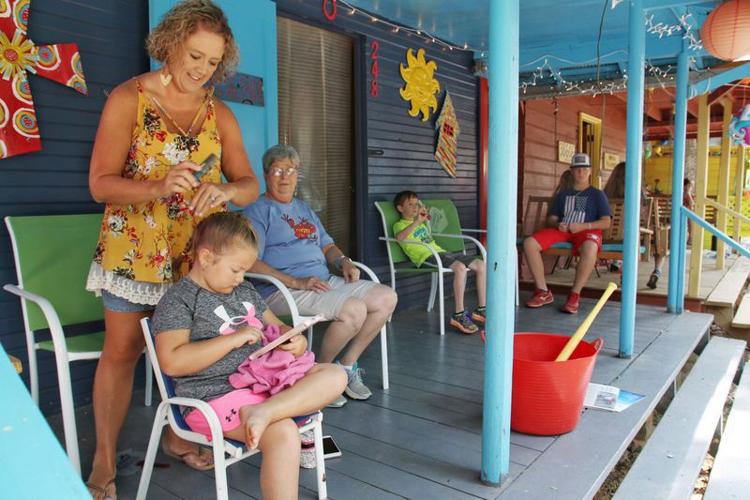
<point x="685" y="214"/>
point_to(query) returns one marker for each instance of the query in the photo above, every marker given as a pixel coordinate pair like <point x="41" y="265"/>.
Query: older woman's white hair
<point x="277" y="153"/>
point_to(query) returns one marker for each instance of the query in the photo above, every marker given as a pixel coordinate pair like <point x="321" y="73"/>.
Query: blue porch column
<point x="501" y="232"/>
<point x="676" y="290"/>
<point x="636" y="59"/>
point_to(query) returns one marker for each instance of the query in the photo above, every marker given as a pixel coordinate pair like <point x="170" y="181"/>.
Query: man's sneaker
<point x="338" y="402"/>
<point x="479" y="314"/>
<point x="571" y="305"/>
<point x="653" y="279"/>
<point x="462" y="322"/>
<point x="540" y="298"/>
<point x="307" y="457"/>
<point x="355" y="388"/>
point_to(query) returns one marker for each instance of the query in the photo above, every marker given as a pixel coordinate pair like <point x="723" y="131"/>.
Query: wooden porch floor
<point x="422" y="439"/>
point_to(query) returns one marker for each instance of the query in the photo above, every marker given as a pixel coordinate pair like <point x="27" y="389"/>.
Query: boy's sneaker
<point x="307" y="438"/>
<point x="540" y="298"/>
<point x="307" y="457"/>
<point x="479" y="314"/>
<point x="653" y="279"/>
<point x="338" y="402"/>
<point x="355" y="388"/>
<point x="462" y="322"/>
<point x="571" y="305"/>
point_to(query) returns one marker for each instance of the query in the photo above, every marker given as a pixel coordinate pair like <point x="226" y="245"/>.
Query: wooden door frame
<point x="596" y="159"/>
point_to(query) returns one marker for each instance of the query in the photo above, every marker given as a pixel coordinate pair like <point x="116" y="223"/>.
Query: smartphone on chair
<point x="330" y="448"/>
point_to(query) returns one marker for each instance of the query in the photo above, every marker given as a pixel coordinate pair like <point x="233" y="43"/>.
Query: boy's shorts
<point x="549" y="236"/>
<point x="448" y="258"/>
<point x="227" y="408"/>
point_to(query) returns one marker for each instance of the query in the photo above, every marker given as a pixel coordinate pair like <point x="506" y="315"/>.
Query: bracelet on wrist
<point x="338" y="261"/>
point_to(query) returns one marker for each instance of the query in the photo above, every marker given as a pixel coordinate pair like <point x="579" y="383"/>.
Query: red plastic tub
<point x="547" y="395"/>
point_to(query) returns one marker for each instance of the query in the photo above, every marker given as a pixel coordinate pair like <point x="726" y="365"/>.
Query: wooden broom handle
<point x="572" y="343"/>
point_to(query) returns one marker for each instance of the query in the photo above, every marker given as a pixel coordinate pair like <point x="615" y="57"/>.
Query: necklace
<point x="166" y="114"/>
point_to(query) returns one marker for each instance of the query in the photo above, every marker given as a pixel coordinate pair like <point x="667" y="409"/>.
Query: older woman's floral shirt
<point x="150" y="242"/>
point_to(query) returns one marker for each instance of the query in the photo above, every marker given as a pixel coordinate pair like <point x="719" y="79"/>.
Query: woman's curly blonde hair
<point x="183" y="20"/>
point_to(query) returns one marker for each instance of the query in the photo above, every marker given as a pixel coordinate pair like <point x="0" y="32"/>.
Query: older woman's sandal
<point x="107" y="492"/>
<point x="194" y="459"/>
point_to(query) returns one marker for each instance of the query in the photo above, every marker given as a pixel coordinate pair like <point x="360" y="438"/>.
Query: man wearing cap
<point x="577" y="215"/>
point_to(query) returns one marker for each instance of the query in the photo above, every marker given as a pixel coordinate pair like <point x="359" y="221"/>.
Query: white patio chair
<point x="225" y="451"/>
<point x="298" y="318"/>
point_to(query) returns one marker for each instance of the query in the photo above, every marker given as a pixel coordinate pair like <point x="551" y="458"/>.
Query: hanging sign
<point x="448" y="130"/>
<point x="565" y="151"/>
<point x="243" y="88"/>
<point x="61" y="62"/>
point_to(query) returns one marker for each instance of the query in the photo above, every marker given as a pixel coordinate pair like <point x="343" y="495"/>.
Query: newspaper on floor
<point x="609" y="398"/>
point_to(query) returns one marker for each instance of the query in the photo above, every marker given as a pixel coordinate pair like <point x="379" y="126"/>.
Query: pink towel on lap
<point x="273" y="371"/>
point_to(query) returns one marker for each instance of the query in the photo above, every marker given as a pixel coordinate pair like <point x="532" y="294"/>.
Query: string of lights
<point x="543" y="73"/>
<point x="419" y="32"/>
<point x="685" y="24"/>
<point x="546" y="70"/>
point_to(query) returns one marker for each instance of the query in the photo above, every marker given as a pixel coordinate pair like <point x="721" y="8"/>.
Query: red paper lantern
<point x="726" y="32"/>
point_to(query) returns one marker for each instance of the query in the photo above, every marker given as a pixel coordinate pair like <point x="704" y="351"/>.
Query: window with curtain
<point x="316" y="117"/>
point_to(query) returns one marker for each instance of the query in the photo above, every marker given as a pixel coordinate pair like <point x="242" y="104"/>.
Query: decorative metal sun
<point x="421" y="87"/>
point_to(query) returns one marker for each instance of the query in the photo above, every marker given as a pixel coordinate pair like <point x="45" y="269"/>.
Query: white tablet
<point x="286" y="336"/>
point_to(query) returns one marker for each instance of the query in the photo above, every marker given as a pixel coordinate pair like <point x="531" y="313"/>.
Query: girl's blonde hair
<point x="183" y="20"/>
<point x="222" y="230"/>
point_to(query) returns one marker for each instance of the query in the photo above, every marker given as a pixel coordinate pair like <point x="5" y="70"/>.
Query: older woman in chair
<point x="296" y="249"/>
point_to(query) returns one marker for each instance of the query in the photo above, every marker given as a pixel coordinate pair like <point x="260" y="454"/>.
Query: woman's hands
<point x="349" y="270"/>
<point x="312" y="283"/>
<point x="181" y="179"/>
<point x="210" y="195"/>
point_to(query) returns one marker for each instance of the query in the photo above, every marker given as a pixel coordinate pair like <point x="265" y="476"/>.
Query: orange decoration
<point x="726" y="32"/>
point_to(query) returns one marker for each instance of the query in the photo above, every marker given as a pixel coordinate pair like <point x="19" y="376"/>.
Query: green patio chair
<point x="52" y="255"/>
<point x="448" y="233"/>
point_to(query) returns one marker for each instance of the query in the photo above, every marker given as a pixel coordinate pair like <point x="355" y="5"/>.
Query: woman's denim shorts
<point x="118" y="304"/>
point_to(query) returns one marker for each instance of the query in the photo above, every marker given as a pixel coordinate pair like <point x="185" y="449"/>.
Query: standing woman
<point x="155" y="132"/>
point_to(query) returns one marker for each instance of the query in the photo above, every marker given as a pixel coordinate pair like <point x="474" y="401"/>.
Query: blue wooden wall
<point x="400" y="147"/>
<point x="110" y="37"/>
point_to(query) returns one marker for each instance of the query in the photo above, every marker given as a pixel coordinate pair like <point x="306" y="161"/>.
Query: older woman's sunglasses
<point x="286" y="172"/>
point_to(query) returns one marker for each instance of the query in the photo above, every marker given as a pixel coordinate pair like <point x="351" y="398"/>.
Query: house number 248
<point x="374" y="71"/>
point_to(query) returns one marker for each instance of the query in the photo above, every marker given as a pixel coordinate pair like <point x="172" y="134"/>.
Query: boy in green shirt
<point x="412" y="227"/>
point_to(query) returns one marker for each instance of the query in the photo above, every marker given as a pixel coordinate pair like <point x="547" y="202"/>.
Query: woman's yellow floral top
<point x="145" y="247"/>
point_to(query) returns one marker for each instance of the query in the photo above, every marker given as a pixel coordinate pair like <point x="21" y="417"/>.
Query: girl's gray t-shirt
<point x="206" y="314"/>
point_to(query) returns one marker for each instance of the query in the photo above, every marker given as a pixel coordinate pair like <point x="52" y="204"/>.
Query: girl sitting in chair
<point x="200" y="345"/>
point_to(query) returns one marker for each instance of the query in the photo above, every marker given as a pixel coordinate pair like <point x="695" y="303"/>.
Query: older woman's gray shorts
<point x="327" y="303"/>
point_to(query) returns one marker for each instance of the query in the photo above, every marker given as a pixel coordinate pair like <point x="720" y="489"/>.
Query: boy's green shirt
<point x="416" y="253"/>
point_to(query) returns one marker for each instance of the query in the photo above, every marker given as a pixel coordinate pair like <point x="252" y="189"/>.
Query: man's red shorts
<point x="549" y="236"/>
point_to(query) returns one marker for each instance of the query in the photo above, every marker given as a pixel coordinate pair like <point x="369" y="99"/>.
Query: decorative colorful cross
<point x="61" y="62"/>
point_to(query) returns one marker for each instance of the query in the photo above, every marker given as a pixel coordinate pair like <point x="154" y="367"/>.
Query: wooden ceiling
<point x="659" y="110"/>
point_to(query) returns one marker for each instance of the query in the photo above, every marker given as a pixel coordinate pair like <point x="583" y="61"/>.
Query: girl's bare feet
<point x="255" y="419"/>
